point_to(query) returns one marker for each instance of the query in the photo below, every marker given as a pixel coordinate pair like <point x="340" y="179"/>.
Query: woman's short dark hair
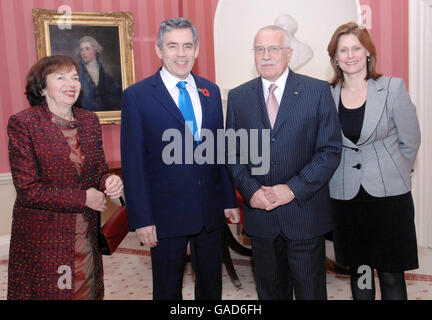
<point x="366" y="41"/>
<point x="36" y="78"/>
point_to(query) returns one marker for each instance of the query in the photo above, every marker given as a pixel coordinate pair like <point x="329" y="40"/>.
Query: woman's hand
<point x="113" y="186"/>
<point x="95" y="200"/>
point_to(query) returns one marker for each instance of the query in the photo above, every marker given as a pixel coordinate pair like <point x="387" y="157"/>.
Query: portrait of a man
<point x="96" y="49"/>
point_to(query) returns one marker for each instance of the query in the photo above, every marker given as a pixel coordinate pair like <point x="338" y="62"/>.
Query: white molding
<point x="6" y="178"/>
<point x="420" y="81"/>
<point x="4" y="246"/>
<point x="5" y="240"/>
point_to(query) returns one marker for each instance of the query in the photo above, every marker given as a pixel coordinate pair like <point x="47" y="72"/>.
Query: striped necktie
<point x="272" y="105"/>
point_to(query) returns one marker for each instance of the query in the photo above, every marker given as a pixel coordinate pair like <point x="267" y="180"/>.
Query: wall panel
<point x="390" y="34"/>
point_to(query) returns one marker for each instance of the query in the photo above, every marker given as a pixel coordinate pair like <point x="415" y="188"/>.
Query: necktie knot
<point x="181" y="84"/>
<point x="272" y="88"/>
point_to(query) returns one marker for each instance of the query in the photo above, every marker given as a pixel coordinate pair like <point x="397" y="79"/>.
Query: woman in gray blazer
<point x="371" y="188"/>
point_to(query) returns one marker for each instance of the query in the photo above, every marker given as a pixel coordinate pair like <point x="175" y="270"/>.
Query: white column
<point x="7" y="199"/>
<point x="420" y="83"/>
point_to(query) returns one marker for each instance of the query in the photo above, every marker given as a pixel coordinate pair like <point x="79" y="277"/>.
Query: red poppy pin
<point x="204" y="92"/>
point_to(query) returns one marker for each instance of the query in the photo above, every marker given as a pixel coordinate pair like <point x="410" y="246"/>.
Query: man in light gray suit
<point x="287" y="209"/>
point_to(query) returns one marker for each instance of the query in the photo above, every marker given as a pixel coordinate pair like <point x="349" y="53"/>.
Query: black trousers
<point x="283" y="265"/>
<point x="168" y="262"/>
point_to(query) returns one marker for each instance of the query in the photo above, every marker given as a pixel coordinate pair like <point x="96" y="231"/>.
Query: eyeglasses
<point x="273" y="50"/>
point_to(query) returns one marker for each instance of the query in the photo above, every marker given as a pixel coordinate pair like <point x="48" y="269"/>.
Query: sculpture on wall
<point x="302" y="53"/>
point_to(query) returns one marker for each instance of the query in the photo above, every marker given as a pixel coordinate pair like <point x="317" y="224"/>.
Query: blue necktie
<point x="186" y="108"/>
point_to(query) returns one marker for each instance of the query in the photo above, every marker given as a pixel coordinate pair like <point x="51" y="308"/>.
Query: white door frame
<point x="420" y="83"/>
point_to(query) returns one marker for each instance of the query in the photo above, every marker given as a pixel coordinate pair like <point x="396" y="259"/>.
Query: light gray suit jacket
<point x="383" y="158"/>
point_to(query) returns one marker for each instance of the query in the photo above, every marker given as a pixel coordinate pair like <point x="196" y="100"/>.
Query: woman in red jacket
<point x="61" y="179"/>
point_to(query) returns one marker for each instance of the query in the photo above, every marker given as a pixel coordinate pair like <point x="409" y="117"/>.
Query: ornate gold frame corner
<point x="42" y="19"/>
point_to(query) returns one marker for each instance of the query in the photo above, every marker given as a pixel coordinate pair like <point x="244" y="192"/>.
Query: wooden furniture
<point x="231" y="242"/>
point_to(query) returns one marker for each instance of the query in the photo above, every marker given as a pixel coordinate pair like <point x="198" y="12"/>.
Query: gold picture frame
<point x="63" y="33"/>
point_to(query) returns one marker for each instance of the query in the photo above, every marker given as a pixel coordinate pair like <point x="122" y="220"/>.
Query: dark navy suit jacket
<point x="305" y="148"/>
<point x="180" y="199"/>
<point x="106" y="96"/>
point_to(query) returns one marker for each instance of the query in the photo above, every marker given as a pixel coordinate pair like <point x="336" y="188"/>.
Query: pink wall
<point x="18" y="50"/>
<point x="202" y="14"/>
<point x="390" y="34"/>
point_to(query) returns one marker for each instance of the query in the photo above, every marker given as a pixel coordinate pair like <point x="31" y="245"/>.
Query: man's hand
<point x="259" y="200"/>
<point x="233" y="215"/>
<point x="147" y="236"/>
<point x="277" y="195"/>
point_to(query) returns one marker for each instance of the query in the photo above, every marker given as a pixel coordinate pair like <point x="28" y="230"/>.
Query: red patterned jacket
<point x="49" y="194"/>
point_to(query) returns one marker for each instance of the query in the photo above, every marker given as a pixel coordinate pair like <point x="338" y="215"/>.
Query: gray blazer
<point x="383" y="158"/>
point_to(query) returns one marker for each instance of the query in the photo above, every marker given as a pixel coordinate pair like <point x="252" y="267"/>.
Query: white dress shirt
<point x="170" y="83"/>
<point x="280" y="83"/>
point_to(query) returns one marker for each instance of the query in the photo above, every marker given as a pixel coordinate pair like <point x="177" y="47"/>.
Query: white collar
<point x="171" y="81"/>
<point x="280" y="82"/>
<point x="92" y="65"/>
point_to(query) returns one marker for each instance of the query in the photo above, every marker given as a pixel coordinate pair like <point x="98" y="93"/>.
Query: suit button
<point x="199" y="182"/>
<point x="273" y="139"/>
<point x="357" y="166"/>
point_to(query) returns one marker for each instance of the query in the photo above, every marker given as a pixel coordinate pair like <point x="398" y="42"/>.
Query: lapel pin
<point x="295" y="92"/>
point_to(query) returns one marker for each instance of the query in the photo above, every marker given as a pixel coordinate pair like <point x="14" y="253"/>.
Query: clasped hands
<point x="269" y="198"/>
<point x="96" y="199"/>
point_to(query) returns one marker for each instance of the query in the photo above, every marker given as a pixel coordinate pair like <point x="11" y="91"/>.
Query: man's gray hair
<point x="93" y="42"/>
<point x="287" y="36"/>
<point x="176" y="23"/>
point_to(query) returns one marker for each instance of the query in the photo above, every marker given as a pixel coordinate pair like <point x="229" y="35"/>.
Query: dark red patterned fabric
<point x="49" y="194"/>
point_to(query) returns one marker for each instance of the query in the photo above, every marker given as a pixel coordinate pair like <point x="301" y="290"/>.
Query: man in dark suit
<point x="288" y="208"/>
<point x="171" y="203"/>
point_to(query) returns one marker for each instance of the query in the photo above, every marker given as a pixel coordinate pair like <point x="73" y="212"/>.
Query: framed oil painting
<point x="102" y="44"/>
